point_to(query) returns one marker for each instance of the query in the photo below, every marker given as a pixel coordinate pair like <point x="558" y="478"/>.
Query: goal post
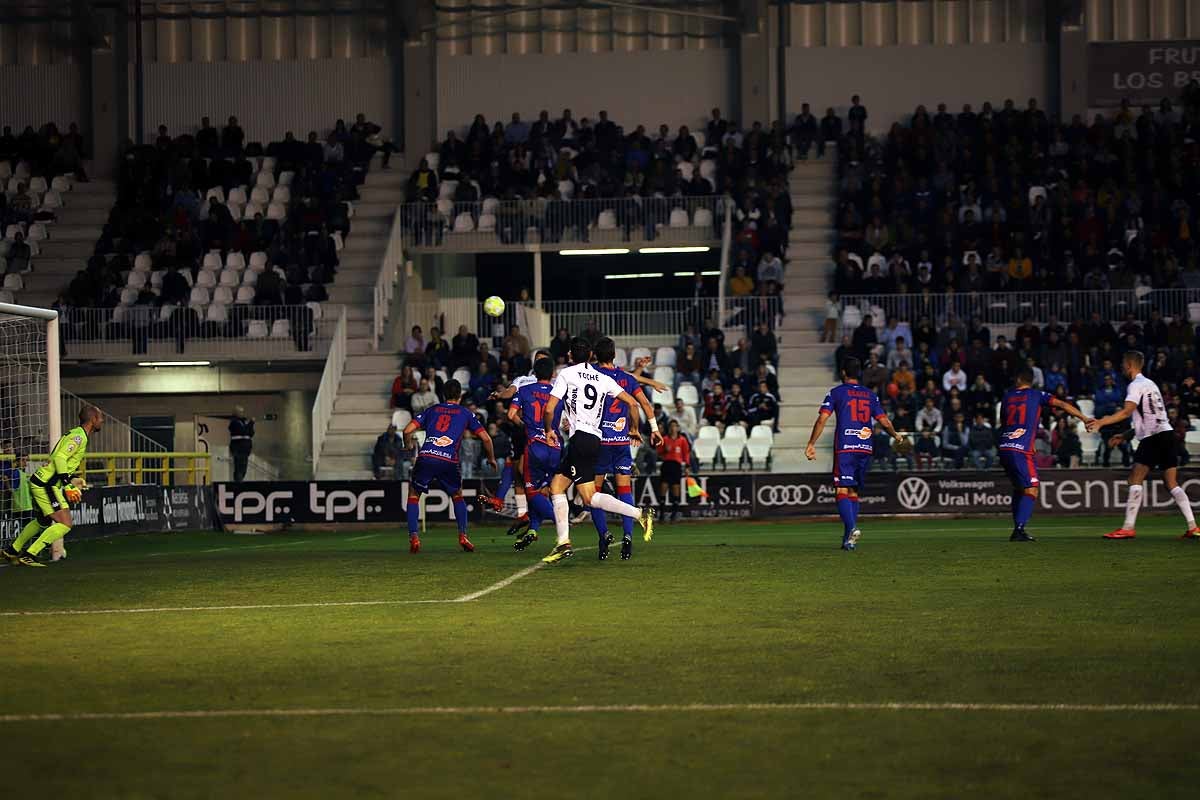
<point x="30" y="400"/>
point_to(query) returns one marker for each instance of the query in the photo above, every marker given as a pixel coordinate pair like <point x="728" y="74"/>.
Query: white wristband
<point x="653" y="425"/>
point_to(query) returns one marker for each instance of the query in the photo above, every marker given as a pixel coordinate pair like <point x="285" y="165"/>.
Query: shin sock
<point x="414" y="515"/>
<point x="1132" y="505"/>
<point x="1024" y="510"/>
<point x="1185" y="506"/>
<point x="49" y="536"/>
<point x="460" y="513"/>
<point x="540" y="509"/>
<point x="32" y="529"/>
<point x="562" y="518"/>
<point x="606" y="502"/>
<point x="625" y="495"/>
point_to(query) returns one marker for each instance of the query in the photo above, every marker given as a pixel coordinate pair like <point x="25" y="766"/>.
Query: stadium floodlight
<point x="602" y="251"/>
<point x="657" y="250"/>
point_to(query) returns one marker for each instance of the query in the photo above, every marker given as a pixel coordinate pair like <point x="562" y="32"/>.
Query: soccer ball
<point x="493" y="306"/>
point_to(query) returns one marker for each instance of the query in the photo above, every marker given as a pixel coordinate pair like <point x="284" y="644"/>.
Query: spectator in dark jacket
<point x="241" y="442"/>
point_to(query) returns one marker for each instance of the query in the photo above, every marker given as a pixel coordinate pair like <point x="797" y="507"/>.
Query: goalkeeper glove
<point x="73" y="494"/>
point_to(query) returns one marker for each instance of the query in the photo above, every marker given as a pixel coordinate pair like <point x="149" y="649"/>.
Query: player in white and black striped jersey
<point x="584" y="391"/>
<point x="1156" y="448"/>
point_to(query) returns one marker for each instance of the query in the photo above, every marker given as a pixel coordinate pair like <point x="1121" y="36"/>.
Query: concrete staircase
<point x="72" y="239"/>
<point x="805" y="364"/>
<point x="362" y="408"/>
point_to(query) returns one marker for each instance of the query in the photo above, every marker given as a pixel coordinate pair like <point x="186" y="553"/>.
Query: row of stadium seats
<point x="606" y="220"/>
<point x="712" y="448"/>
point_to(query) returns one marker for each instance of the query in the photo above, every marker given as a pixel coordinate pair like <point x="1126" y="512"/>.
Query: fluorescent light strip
<point x="174" y="363"/>
<point x="706" y="273"/>
<point x="611" y="251"/>
<point x="651" y="250"/>
<point x="633" y="275"/>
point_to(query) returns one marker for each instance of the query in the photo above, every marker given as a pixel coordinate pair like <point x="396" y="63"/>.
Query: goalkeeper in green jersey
<point x="51" y="488"/>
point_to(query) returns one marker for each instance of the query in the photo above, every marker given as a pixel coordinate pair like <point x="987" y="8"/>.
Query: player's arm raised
<point x="503" y="394"/>
<point x="1070" y="409"/>
<point x="640" y="365"/>
<point x="655" y="434"/>
<point x="810" y="450"/>
<point x="1112" y="419"/>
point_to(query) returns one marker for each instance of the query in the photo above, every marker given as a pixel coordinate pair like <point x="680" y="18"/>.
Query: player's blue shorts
<point x="428" y="471"/>
<point x="850" y="469"/>
<point x="1020" y="468"/>
<point x="541" y="464"/>
<point x="614" y="459"/>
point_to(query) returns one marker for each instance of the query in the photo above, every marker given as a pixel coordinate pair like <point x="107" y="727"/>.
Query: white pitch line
<point x="516" y="576"/>
<point x="368" y="536"/>
<point x="667" y="708"/>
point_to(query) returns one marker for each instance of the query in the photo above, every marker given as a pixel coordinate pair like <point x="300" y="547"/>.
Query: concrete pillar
<point x="756" y="64"/>
<point x="106" y="114"/>
<point x="1072" y="65"/>
<point x="420" y="97"/>
<point x="295" y="428"/>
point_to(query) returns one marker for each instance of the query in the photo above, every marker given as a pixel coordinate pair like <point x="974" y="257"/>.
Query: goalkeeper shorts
<point x="47" y="500"/>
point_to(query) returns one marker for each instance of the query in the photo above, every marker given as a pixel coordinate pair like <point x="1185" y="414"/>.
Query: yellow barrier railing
<point x="113" y="469"/>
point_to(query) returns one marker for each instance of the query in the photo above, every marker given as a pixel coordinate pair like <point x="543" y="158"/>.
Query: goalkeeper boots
<point x="465" y="543"/>
<point x="559" y="553"/>
<point x="27" y="560"/>
<point x="414" y="544"/>
<point x="10" y="555"/>
<point x="626" y="548"/>
<point x="527" y="538"/>
<point x="1019" y="535"/>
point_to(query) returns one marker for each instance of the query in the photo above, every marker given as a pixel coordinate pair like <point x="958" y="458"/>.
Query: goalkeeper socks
<point x="49" y="536"/>
<point x="1024" y="510"/>
<point x="1132" y="504"/>
<point x="460" y="513"/>
<point x="1181" y="500"/>
<point x="846" y="508"/>
<point x="541" y="509"/>
<point x="625" y="495"/>
<point x="562" y="518"/>
<point x="31" y="529"/>
<point x="522" y="504"/>
<point x="414" y="514"/>
<point x="506" y="479"/>
<point x="606" y="502"/>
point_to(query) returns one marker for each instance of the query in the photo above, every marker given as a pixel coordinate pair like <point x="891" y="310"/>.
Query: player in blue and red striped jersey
<point x="445" y="425"/>
<point x="1020" y="418"/>
<point x="856" y="408"/>
<point x="616" y="455"/>
<point x="541" y="458"/>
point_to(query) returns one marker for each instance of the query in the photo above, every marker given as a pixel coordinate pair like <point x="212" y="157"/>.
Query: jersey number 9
<point x="591" y="395"/>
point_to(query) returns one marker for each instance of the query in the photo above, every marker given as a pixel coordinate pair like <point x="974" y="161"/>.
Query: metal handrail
<point x="331" y="378"/>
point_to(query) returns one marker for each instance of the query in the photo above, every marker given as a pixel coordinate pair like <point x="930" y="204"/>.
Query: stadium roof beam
<point x="557" y="5"/>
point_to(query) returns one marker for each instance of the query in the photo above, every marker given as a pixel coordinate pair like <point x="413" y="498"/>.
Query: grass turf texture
<point x="731" y="612"/>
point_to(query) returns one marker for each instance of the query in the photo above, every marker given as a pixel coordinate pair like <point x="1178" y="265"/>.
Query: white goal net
<point x="29" y="406"/>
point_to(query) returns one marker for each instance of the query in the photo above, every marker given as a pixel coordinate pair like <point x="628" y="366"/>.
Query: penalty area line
<point x="667" y="708"/>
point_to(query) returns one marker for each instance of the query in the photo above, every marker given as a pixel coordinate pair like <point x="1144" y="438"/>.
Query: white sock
<point x="607" y="502"/>
<point x="562" y="517"/>
<point x="1185" y="506"/>
<point x="522" y="506"/>
<point x="1131" y="507"/>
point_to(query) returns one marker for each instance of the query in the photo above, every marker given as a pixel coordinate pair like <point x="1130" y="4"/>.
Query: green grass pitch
<point x="772" y="630"/>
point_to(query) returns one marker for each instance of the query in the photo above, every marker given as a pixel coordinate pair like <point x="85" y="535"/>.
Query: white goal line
<point x="666" y="708"/>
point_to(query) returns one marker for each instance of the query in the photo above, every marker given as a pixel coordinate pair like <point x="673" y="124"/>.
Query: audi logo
<point x="797" y="495"/>
<point x="913" y="493"/>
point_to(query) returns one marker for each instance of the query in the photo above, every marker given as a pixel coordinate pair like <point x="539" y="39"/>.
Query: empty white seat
<point x="258" y="261"/>
<point x="237" y="195"/>
<point x="156" y="278"/>
<point x="446" y="189"/>
<point x="61" y="183"/>
<point x="222" y="294"/>
<point x="703" y="218"/>
<point x="733" y="443"/>
<point x="607" y="221"/>
<point x="851" y="318"/>
<point x="621" y="359"/>
<point x="281" y="329"/>
<point x="445" y="206"/>
<point x="216" y="192"/>
<point x="400" y="418"/>
<point x="206" y="279"/>
<point x="267" y="164"/>
<point x="708" y="170"/>
<point x="282" y="194"/>
<point x="688" y="394"/>
<point x="235" y="260"/>
<point x="136" y="280"/>
<point x="260" y="195"/>
<point x="464" y="223"/>
<point x="14" y="282"/>
<point x="664" y="375"/>
<point x="230" y="277"/>
<point x="129" y="296"/>
<point x="142" y="262"/>
<point x="38" y="184"/>
<point x="666" y="397"/>
<point x="276" y="211"/>
<point x="707" y="442"/>
<point x="265" y="179"/>
<point x="1087" y="406"/>
<point x="212" y="260"/>
<point x="245" y="295"/>
<point x="257" y="329"/>
<point x="487" y="222"/>
<point x="250" y="278"/>
<point x="12" y="230"/>
<point x="638" y="352"/>
<point x="433" y="159"/>
<point x="199" y="296"/>
<point x="665" y="356"/>
<point x="490" y="205"/>
<point x="37" y="232"/>
<point x="758" y="446"/>
<point x="679" y="218"/>
<point x="286" y="177"/>
<point x="251" y="210"/>
<point x="217" y="312"/>
<point x="463" y="376"/>
<point x="52" y="200"/>
<point x="235" y="209"/>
